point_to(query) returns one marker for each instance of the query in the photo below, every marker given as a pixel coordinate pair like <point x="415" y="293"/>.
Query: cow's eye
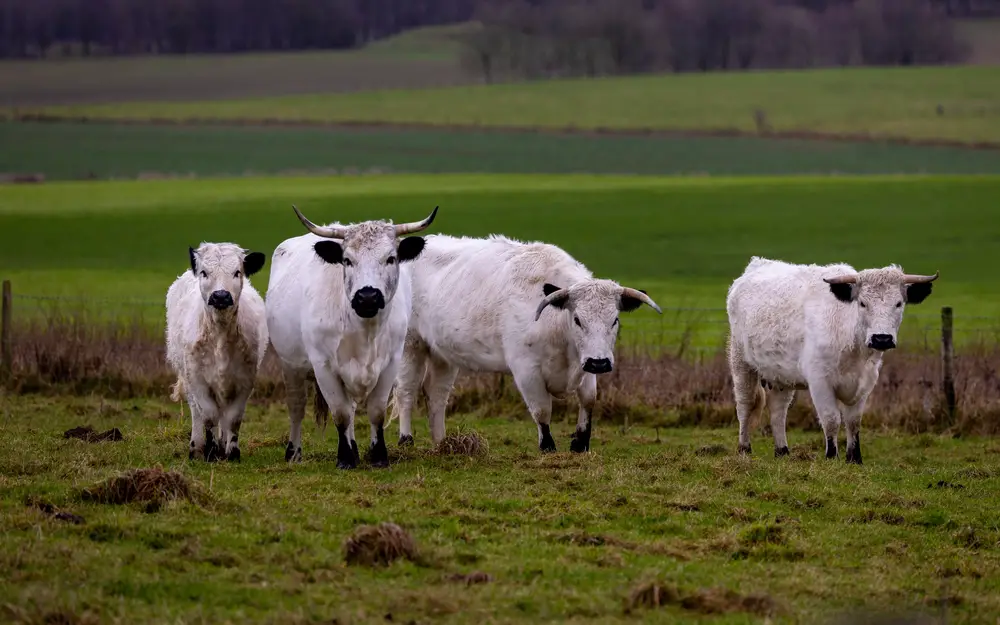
<point x="347" y="262"/>
<point x="203" y="274"/>
<point x="863" y="304"/>
<point x="576" y="320"/>
<point x="391" y="260"/>
<point x="899" y="304"/>
<point x="237" y="274"/>
<point x="615" y="322"/>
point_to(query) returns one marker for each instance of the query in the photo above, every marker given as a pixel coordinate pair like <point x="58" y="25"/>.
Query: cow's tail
<point x="759" y="399"/>
<point x="177" y="390"/>
<point x="321" y="409"/>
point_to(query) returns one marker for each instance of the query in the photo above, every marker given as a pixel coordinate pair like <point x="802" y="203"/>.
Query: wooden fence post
<point x="948" y="362"/>
<point x="5" y="322"/>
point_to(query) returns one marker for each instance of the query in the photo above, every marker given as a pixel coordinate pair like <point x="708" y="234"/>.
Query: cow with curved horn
<point x="338" y="304"/>
<point x="824" y="328"/>
<point x="501" y="305"/>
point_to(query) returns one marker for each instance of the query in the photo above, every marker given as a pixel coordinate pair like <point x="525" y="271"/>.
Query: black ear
<point x="253" y="262"/>
<point x="409" y="248"/>
<point x="194" y="262"/>
<point x="549" y="289"/>
<point x="843" y="292"/>
<point x="916" y="293"/>
<point x="330" y="251"/>
<point x="628" y="304"/>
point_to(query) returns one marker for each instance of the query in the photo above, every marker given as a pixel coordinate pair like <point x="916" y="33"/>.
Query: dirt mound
<point x="87" y="433"/>
<point x="467" y="444"/>
<point x="379" y="545"/>
<point x="704" y="600"/>
<point x="146" y="485"/>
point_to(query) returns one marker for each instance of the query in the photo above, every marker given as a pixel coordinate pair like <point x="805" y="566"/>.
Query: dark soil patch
<point x="703" y="601"/>
<point x="944" y="484"/>
<point x="379" y="545"/>
<point x="154" y="486"/>
<point x="475" y="577"/>
<point x="55" y="513"/>
<point x="87" y="433"/>
<point x="710" y="450"/>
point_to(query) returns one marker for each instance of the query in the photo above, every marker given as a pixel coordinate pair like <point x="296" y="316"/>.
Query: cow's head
<point x="593" y="307"/>
<point x="370" y="256"/>
<point x="881" y="295"/>
<point x="220" y="269"/>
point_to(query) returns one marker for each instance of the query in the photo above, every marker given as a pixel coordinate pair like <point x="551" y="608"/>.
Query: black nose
<point x="597" y="365"/>
<point x="367" y="302"/>
<point x="881" y="342"/>
<point x="220" y="300"/>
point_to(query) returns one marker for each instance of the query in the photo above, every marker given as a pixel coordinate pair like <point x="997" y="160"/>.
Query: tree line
<point x="568" y="38"/>
<point x="37" y="28"/>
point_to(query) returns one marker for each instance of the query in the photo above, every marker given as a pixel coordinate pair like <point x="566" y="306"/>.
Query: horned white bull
<point x="821" y="328"/>
<point x="480" y="305"/>
<point x="338" y="304"/>
<point x="216" y="338"/>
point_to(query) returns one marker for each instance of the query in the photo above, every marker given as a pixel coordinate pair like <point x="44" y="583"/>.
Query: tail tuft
<point x="321" y="409"/>
<point x="177" y="390"/>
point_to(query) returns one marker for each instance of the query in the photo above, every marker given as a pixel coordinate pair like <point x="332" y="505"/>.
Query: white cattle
<point x="216" y="338"/>
<point x="478" y="305"/>
<point x="821" y="328"/>
<point x="338" y="304"/>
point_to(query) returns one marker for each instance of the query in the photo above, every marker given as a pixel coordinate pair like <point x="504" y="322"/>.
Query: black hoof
<point x="580" y="442"/>
<point x="378" y="455"/>
<point x="780" y="451"/>
<point x="406" y="441"/>
<point x="743" y="449"/>
<point x="292" y="454"/>
<point x="347" y="451"/>
<point x="854" y="455"/>
<point x="213" y="453"/>
<point x="234" y="455"/>
<point x="547" y="445"/>
<point x="831" y="449"/>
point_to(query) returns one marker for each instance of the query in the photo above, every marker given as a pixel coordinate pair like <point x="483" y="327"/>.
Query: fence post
<point x="948" y="362"/>
<point x="5" y="322"/>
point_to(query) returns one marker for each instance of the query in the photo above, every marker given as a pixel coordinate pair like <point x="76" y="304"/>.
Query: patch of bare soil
<point x="54" y="512"/>
<point x="379" y="545"/>
<point x="469" y="579"/>
<point x="703" y="601"/>
<point x="87" y="433"/>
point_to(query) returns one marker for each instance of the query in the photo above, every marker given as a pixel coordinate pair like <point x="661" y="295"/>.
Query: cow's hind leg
<point x="529" y="382"/>
<point x="440" y="380"/>
<point x="749" y="396"/>
<point x="586" y="394"/>
<point x="295" y="399"/>
<point x="778" y="402"/>
<point x="411" y="375"/>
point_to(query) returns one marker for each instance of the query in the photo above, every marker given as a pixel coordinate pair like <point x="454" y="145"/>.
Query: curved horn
<point x="639" y="295"/>
<point x="847" y="279"/>
<point x="415" y="226"/>
<point x="330" y="232"/>
<point x="917" y="279"/>
<point x="551" y="297"/>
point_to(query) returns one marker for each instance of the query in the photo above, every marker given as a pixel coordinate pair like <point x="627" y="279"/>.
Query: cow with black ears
<point x="338" y="304"/>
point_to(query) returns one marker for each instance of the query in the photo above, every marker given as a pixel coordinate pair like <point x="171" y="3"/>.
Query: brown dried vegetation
<point x="154" y="486"/>
<point x="379" y="545"/>
<point x="704" y="600"/>
<point x="463" y="444"/>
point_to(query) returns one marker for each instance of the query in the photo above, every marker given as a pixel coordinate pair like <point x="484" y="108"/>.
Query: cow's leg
<point x="778" y="402"/>
<point x="586" y="395"/>
<point x="295" y="399"/>
<point x="229" y="426"/>
<point x="749" y="396"/>
<point x="204" y="416"/>
<point x="342" y="411"/>
<point x="827" y="411"/>
<point x="378" y="400"/>
<point x="536" y="396"/>
<point x="852" y="423"/>
<point x="440" y="380"/>
<point x="408" y="382"/>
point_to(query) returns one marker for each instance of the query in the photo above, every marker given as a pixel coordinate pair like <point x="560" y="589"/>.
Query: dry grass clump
<point x="145" y="485"/>
<point x="379" y="545"/>
<point x="704" y="600"/>
<point x="463" y="444"/>
<point x="89" y="434"/>
<point x="475" y="577"/>
<point x="711" y="450"/>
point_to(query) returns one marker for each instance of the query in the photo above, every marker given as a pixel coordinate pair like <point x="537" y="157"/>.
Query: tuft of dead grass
<point x="463" y="444"/>
<point x="153" y="486"/>
<point x="469" y="579"/>
<point x="703" y="601"/>
<point x="379" y="545"/>
<point x="87" y="433"/>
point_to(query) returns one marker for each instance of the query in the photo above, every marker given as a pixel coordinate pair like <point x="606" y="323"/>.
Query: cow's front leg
<point x="440" y="380"/>
<point x="342" y="410"/>
<point x="229" y="426"/>
<point x="378" y="400"/>
<point x="204" y="416"/>
<point x="532" y="387"/>
<point x="586" y="395"/>
<point x="827" y="411"/>
<point x="778" y="401"/>
<point x="852" y="423"/>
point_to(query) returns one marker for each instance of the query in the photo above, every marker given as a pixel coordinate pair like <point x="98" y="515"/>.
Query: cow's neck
<point x="368" y="328"/>
<point x="219" y="323"/>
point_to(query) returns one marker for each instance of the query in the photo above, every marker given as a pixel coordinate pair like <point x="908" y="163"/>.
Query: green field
<point x="682" y="239"/>
<point x="895" y="102"/>
<point x="81" y="151"/>
<point x="564" y="539"/>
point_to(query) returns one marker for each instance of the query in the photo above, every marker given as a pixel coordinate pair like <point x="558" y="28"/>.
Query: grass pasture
<point x="555" y="538"/>
<point x="928" y="103"/>
<point x="682" y="239"/>
<point x="64" y="151"/>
